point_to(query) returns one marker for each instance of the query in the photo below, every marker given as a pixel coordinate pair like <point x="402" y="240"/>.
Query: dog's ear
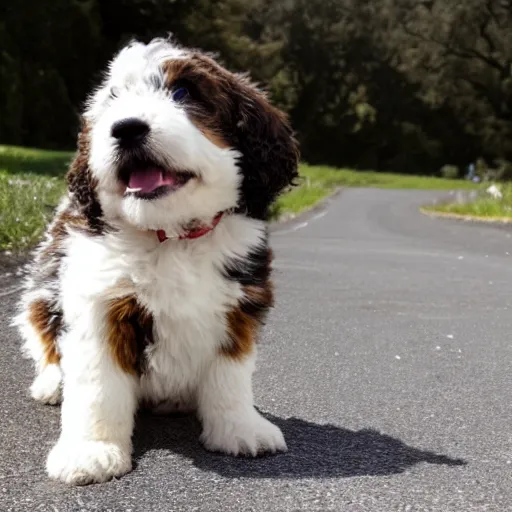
<point x="82" y="184"/>
<point x="269" y="150"/>
<point x="246" y="121"/>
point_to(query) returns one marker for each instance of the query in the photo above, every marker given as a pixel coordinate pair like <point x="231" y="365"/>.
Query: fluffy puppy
<point x="154" y="276"/>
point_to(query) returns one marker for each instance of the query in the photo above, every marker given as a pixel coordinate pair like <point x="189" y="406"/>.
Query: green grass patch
<point x="317" y="182"/>
<point x="31" y="184"/>
<point x="15" y="160"/>
<point x="484" y="207"/>
<point x="301" y="198"/>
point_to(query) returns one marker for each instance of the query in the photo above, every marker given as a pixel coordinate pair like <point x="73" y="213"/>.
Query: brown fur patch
<point x="213" y="136"/>
<point x="210" y="102"/>
<point x="130" y="330"/>
<point x="242" y="331"/>
<point x="244" y="321"/>
<point x="262" y="296"/>
<point x="47" y="323"/>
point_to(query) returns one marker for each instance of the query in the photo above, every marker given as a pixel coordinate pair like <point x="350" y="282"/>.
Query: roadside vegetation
<point x="32" y="182"/>
<point x="488" y="206"/>
<point x="317" y="182"/>
<point x="391" y="85"/>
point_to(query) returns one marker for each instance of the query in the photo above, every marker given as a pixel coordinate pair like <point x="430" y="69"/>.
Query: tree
<point x="407" y="85"/>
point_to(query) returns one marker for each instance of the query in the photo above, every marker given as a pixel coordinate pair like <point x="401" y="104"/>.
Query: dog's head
<point x="171" y="137"/>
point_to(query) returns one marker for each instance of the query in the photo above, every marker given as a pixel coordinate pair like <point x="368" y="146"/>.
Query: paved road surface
<point x="387" y="363"/>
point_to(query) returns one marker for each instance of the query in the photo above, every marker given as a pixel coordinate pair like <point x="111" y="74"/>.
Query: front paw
<point x="46" y="387"/>
<point x="86" y="462"/>
<point x="245" y="433"/>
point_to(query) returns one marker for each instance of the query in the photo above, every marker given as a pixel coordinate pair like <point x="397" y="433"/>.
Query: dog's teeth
<point x="129" y="190"/>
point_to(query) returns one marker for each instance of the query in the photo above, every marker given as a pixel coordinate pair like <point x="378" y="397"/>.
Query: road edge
<point x="286" y="221"/>
<point x="498" y="221"/>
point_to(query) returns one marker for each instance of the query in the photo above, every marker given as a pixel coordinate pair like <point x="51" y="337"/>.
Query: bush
<point x="450" y="172"/>
<point x="503" y="170"/>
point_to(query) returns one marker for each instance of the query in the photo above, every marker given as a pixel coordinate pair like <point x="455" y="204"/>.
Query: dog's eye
<point x="114" y="93"/>
<point x="179" y="94"/>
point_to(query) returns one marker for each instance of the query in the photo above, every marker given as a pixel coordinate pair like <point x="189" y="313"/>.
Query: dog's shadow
<point x="314" y="451"/>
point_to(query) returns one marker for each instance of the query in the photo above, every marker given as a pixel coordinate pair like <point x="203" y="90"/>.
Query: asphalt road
<point x="387" y="363"/>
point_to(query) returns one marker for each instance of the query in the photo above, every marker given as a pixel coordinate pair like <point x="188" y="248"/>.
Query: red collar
<point x="190" y="234"/>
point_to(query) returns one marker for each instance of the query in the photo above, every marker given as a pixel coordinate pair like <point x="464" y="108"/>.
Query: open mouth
<point x="149" y="180"/>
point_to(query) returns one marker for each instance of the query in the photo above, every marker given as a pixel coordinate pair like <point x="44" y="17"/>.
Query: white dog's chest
<point x="183" y="286"/>
<point x="188" y="297"/>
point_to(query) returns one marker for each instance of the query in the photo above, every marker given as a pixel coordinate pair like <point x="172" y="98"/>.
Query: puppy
<point x="154" y="276"/>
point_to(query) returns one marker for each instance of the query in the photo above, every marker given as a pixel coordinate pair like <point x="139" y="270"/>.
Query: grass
<point x="317" y="182"/>
<point x="484" y="208"/>
<point x="18" y="160"/>
<point x="31" y="183"/>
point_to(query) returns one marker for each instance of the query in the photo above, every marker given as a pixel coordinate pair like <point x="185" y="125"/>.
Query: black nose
<point x="130" y="131"/>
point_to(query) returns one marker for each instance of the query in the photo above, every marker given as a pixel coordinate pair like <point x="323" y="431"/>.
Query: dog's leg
<point x="99" y="401"/>
<point x="39" y="325"/>
<point x="46" y="387"/>
<point x="231" y="424"/>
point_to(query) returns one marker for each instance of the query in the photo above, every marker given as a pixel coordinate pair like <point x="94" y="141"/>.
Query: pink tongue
<point x="147" y="180"/>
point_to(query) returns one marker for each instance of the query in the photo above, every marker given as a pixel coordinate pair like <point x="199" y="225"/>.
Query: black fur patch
<point x="82" y="186"/>
<point x="253" y="273"/>
<point x="269" y="154"/>
<point x="243" y="321"/>
<point x="254" y="269"/>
